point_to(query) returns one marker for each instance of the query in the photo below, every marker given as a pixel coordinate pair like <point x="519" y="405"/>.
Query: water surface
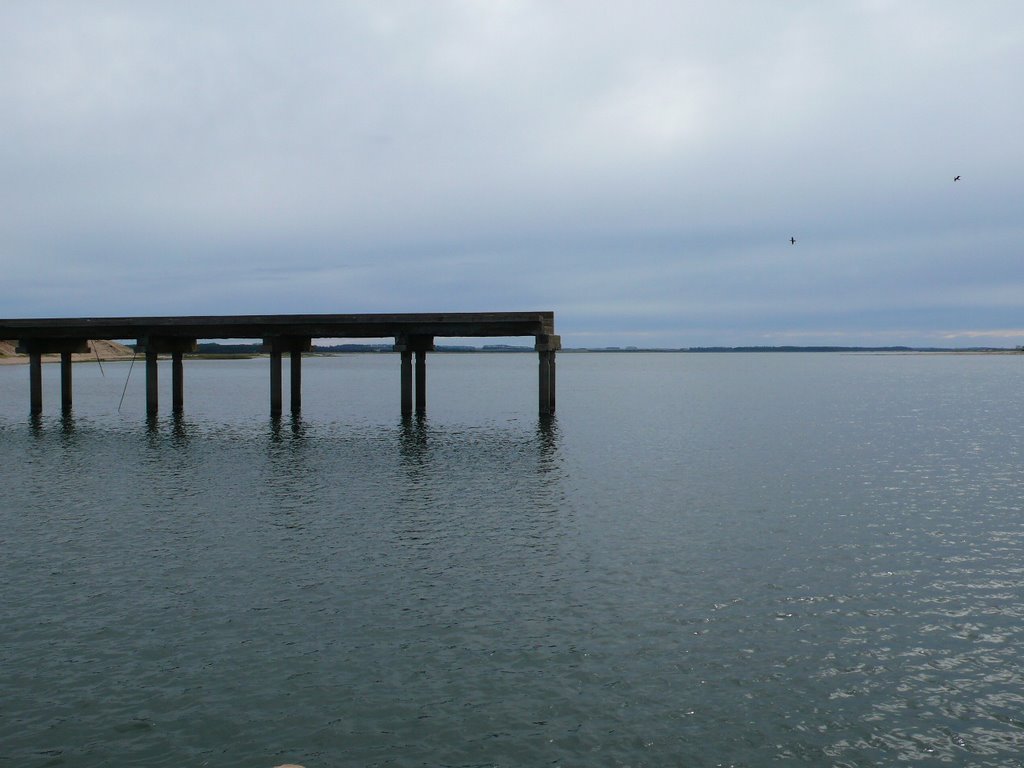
<point x="734" y="559"/>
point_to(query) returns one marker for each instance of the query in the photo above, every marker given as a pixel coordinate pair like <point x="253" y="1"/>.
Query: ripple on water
<point x="695" y="580"/>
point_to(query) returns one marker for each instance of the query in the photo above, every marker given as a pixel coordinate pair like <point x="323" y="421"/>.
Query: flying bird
<point x="792" y="241"/>
<point x="956" y="178"/>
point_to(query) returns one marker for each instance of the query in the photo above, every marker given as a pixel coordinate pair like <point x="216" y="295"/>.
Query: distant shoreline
<point x="112" y="352"/>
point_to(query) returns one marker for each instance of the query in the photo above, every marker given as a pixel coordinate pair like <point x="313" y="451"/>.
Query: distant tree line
<point x="844" y="349"/>
<point x="216" y="348"/>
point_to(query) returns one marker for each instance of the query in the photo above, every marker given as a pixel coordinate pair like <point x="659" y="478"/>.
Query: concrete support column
<point x="546" y="347"/>
<point x="406" y="383"/>
<point x="177" y="383"/>
<point x="65" y="382"/>
<point x="294" y="346"/>
<point x="275" y="382"/>
<point x="35" y="382"/>
<point x="296" y="374"/>
<point x="420" y="345"/>
<point x="421" y="381"/>
<point x="544" y="382"/>
<point x="35" y="349"/>
<point x="176" y="347"/>
<point x="152" y="390"/>
<point x="551" y="383"/>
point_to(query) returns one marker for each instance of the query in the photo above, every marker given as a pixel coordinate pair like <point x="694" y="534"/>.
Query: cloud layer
<point x="637" y="167"/>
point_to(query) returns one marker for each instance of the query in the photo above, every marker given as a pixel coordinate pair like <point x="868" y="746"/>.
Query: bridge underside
<point x="414" y="335"/>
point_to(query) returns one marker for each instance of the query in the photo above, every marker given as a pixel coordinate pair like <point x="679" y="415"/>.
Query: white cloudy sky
<point x="637" y="166"/>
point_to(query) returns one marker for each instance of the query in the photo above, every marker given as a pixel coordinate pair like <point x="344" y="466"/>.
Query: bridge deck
<point x="456" y="324"/>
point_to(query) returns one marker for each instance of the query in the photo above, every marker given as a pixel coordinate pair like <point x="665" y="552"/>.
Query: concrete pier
<point x="65" y="382"/>
<point x="177" y="382"/>
<point x="408" y="346"/>
<point x="546" y="347"/>
<point x="36" y="348"/>
<point x="414" y="335"/>
<point x="152" y="381"/>
<point x="176" y="346"/>
<point x="35" y="379"/>
<point x="294" y="346"/>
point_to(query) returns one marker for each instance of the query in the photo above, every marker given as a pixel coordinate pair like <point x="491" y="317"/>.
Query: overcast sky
<point x="637" y="167"/>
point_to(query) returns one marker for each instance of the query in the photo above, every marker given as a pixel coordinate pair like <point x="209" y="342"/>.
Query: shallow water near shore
<point x="702" y="560"/>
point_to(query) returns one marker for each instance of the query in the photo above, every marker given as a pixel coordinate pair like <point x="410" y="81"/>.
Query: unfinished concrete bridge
<point x="414" y="335"/>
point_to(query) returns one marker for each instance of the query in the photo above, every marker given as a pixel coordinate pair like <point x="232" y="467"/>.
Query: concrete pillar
<point x="65" y="382"/>
<point x="421" y="381"/>
<point x="406" y="383"/>
<point x="177" y="382"/>
<point x="295" y="346"/>
<point x="152" y="392"/>
<point x="552" y="377"/>
<point x="546" y="347"/>
<point x="35" y="349"/>
<point x="35" y="382"/>
<point x="407" y="345"/>
<point x="296" y="375"/>
<point x="176" y="346"/>
<point x="544" y="388"/>
<point x="275" y="382"/>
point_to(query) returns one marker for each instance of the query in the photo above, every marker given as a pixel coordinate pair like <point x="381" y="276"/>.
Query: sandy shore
<point x="104" y="350"/>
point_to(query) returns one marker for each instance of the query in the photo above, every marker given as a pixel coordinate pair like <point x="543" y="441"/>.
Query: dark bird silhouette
<point x="792" y="241"/>
<point x="956" y="178"/>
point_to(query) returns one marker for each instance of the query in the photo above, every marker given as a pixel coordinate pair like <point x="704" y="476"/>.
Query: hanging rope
<point x="127" y="379"/>
<point x="98" y="361"/>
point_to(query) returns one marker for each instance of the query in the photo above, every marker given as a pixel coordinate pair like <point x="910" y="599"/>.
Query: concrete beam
<point x="452" y="324"/>
<point x="169" y="345"/>
<point x="287" y="344"/>
<point x="548" y="343"/>
<point x="414" y="342"/>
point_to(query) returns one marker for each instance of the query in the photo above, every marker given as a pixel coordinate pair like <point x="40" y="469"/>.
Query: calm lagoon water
<point x="702" y="560"/>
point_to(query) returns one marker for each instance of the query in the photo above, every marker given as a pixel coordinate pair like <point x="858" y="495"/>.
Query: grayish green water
<point x="703" y="560"/>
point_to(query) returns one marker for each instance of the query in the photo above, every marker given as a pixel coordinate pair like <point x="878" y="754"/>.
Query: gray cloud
<point x="637" y="167"/>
